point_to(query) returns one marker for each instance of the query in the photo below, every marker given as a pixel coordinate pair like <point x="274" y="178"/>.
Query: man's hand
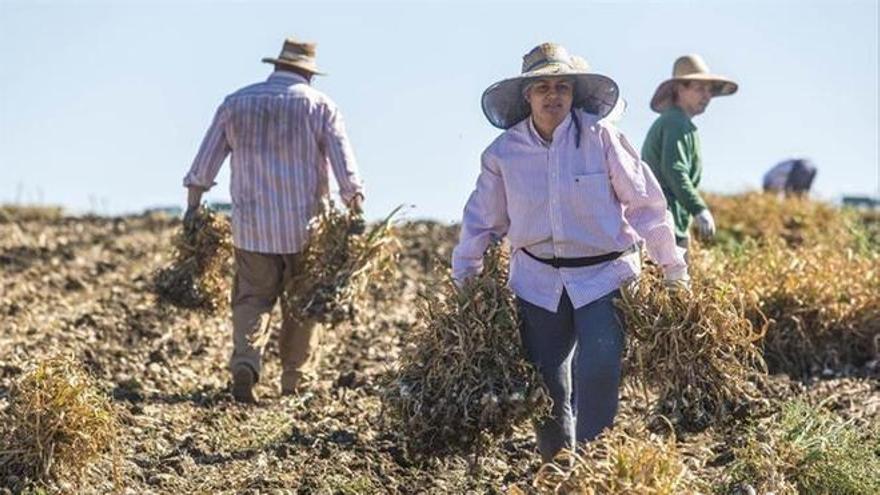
<point x="356" y="203"/>
<point x="189" y="218"/>
<point x="193" y="200"/>
<point x="358" y="225"/>
<point x="705" y="224"/>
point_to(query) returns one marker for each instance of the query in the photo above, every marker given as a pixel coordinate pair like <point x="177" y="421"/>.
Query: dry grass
<point x="199" y="275"/>
<point x="870" y="221"/>
<point x="626" y="460"/>
<point x="342" y="261"/>
<point x="812" y="270"/>
<point x="183" y="433"/>
<point x="462" y="379"/>
<point x="57" y="425"/>
<point x="21" y="213"/>
<point x="821" y="302"/>
<point x="798" y="221"/>
<point x="807" y="450"/>
<point x="695" y="347"/>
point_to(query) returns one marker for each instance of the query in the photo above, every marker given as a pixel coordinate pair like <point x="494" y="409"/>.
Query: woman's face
<point x="550" y="99"/>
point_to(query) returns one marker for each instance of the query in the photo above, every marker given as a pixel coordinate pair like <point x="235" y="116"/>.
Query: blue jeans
<point x="578" y="353"/>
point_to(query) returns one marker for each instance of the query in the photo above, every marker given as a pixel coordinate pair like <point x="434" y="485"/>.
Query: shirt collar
<point x="561" y="129"/>
<point x="677" y="110"/>
<point x="283" y="75"/>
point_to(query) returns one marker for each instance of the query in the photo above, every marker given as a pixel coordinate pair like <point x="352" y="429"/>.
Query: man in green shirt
<point x="672" y="147"/>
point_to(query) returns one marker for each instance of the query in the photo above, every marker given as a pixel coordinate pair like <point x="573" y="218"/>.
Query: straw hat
<point x="616" y="113"/>
<point x="619" y="109"/>
<point x="297" y="54"/>
<point x="690" y="68"/>
<point x="504" y="104"/>
<point x="580" y="63"/>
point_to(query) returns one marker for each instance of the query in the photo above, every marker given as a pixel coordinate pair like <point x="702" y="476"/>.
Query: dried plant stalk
<point x="695" y="347"/>
<point x="463" y="379"/>
<point x="625" y="460"/>
<point x="820" y="301"/>
<point x="58" y="423"/>
<point x="342" y="261"/>
<point x="798" y="221"/>
<point x="198" y="277"/>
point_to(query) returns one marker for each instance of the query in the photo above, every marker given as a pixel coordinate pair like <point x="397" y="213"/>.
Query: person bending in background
<point x="791" y="177"/>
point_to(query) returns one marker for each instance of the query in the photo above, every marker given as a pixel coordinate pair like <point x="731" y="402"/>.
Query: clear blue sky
<point x="103" y="105"/>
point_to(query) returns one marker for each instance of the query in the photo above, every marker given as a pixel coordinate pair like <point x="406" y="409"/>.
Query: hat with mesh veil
<point x="504" y="104"/>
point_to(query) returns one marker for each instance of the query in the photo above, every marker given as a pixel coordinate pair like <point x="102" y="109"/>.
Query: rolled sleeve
<point x="640" y="194"/>
<point x="338" y="151"/>
<point x="485" y="218"/>
<point x="212" y="153"/>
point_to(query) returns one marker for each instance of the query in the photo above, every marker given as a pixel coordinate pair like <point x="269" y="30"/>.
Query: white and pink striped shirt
<point x="562" y="200"/>
<point x="284" y="137"/>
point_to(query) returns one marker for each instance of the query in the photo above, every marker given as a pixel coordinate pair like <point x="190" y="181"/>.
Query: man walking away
<point x="284" y="136"/>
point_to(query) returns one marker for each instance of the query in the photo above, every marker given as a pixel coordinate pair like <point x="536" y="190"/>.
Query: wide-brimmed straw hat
<point x="297" y="54"/>
<point x="690" y="68"/>
<point x="505" y="105"/>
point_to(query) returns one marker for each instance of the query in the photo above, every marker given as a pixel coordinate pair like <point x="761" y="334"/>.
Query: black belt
<point x="585" y="261"/>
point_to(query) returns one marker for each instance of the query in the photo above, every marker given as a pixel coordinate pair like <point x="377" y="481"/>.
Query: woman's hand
<point x="676" y="278"/>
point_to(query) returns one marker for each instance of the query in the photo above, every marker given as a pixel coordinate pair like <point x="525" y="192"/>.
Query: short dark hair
<point x="296" y="70"/>
<point x="678" y="84"/>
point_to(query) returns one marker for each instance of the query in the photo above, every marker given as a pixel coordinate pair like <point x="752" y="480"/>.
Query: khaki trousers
<point x="260" y="279"/>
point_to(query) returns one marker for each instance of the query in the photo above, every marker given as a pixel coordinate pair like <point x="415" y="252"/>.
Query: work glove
<point x="676" y="278"/>
<point x="705" y="224"/>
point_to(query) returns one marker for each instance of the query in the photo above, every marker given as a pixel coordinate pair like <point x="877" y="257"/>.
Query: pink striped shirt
<point x="560" y="200"/>
<point x="284" y="137"/>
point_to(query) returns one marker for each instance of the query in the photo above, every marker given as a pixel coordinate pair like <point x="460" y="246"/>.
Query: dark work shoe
<point x="290" y="382"/>
<point x="243" y="381"/>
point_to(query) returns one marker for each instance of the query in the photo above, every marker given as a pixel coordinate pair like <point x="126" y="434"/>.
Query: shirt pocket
<point x="591" y="192"/>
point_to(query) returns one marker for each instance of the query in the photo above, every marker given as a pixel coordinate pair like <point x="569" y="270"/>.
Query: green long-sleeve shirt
<point x="672" y="150"/>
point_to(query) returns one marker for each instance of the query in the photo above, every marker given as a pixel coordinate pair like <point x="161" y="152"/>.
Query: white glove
<point x="676" y="278"/>
<point x="705" y="224"/>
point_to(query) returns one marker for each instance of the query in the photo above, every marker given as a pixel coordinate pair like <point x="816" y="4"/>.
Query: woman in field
<point x="574" y="200"/>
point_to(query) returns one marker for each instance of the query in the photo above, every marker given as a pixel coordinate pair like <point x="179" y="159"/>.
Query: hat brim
<point x="662" y="98"/>
<point x="296" y="65"/>
<point x="504" y="105"/>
